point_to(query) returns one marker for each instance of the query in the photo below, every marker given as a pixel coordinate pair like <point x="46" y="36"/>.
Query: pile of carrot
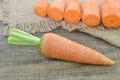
<point x="54" y="46"/>
<point x="89" y="12"/>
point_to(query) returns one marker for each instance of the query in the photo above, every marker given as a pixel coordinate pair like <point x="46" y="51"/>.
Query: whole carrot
<point x="73" y="11"/>
<point x="56" y="10"/>
<point x="91" y="13"/>
<point x="111" y="13"/>
<point x="41" y="8"/>
<point x="58" y="47"/>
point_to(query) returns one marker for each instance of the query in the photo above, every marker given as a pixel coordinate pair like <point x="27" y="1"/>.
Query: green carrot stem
<point x="18" y="37"/>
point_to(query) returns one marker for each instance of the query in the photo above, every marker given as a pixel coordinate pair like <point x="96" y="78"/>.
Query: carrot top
<point x="18" y="37"/>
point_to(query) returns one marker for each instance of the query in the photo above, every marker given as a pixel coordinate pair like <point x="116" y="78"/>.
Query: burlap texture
<point x="19" y="14"/>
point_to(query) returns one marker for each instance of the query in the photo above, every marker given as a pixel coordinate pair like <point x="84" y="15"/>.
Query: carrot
<point x="41" y="8"/>
<point x="91" y="13"/>
<point x="56" y="10"/>
<point x="111" y="13"/>
<point x="58" y="47"/>
<point x="73" y="11"/>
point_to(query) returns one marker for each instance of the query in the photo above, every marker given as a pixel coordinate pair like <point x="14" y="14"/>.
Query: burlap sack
<point x="19" y="14"/>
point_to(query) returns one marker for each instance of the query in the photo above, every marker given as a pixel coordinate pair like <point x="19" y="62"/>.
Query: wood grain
<point x="15" y="60"/>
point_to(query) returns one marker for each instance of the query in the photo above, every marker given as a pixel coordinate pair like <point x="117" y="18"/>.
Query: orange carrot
<point x="58" y="47"/>
<point x="41" y="8"/>
<point x="56" y="10"/>
<point x="73" y="11"/>
<point x="91" y="13"/>
<point x="54" y="46"/>
<point x="111" y="13"/>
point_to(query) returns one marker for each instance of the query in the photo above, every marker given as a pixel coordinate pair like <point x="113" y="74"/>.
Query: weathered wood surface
<point x="27" y="62"/>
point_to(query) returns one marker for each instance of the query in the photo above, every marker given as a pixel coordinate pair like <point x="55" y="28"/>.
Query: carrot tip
<point x="110" y="62"/>
<point x="113" y="62"/>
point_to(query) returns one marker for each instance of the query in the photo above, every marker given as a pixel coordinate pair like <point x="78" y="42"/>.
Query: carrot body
<point x="91" y="13"/>
<point x="73" y="11"/>
<point x="41" y="8"/>
<point x="54" y="46"/>
<point x="56" y="10"/>
<point x="111" y="13"/>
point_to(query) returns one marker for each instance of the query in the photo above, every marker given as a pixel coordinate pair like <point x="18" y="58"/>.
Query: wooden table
<point x="28" y="63"/>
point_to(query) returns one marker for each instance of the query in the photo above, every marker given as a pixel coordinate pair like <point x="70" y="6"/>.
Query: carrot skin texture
<point x="73" y="11"/>
<point x="56" y="10"/>
<point x="41" y="8"/>
<point x="91" y="13"/>
<point x="54" y="46"/>
<point x="111" y="13"/>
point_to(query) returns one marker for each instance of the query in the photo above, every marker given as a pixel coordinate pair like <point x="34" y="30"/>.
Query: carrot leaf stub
<point x="18" y="37"/>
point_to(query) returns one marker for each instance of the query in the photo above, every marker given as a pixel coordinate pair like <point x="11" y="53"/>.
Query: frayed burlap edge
<point x="45" y="25"/>
<point x="39" y="25"/>
<point x="111" y="36"/>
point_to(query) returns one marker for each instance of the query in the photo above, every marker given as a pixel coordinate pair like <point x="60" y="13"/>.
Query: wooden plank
<point x="15" y="60"/>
